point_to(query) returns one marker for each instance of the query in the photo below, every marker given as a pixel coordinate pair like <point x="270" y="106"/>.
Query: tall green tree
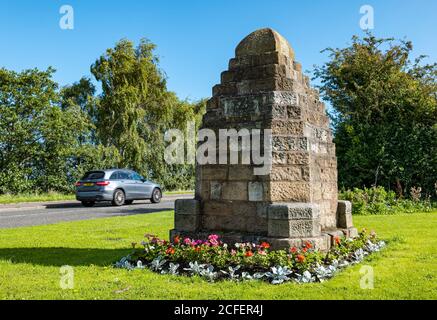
<point x="25" y="99"/>
<point x="79" y="100"/>
<point x="40" y="134"/>
<point x="135" y="110"/>
<point x="384" y="114"/>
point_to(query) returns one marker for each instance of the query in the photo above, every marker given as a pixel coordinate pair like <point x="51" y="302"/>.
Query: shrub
<point x="377" y="200"/>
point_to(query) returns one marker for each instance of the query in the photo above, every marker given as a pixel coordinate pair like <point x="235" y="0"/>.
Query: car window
<point x="122" y="175"/>
<point x="136" y="176"/>
<point x="114" y="176"/>
<point x="93" y="175"/>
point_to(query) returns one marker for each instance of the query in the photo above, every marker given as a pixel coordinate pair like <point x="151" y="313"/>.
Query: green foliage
<point x="249" y="257"/>
<point x="49" y="136"/>
<point x="384" y="115"/>
<point x="377" y="200"/>
<point x="35" y="197"/>
<point x="136" y="110"/>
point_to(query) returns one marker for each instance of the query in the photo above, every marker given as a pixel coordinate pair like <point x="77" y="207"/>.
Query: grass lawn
<point x="30" y="259"/>
<point x="9" y="199"/>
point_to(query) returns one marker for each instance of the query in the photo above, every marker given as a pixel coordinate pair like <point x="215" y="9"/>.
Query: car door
<point x="143" y="187"/>
<point x="128" y="184"/>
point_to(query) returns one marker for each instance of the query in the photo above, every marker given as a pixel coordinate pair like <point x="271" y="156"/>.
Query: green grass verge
<point x="30" y="260"/>
<point x="169" y="193"/>
<point x="19" y="198"/>
<point x="10" y="198"/>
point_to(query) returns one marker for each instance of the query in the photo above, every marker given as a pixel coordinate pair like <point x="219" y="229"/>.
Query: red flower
<point x="265" y="245"/>
<point x="177" y="239"/>
<point x="249" y="253"/>
<point x="304" y="250"/>
<point x="308" y="245"/>
<point x="293" y="250"/>
<point x="337" y="240"/>
<point x="197" y="249"/>
<point x="300" y="258"/>
<point x="170" y="251"/>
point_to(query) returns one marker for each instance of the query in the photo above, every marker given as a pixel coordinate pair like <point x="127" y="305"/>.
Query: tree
<point x="136" y="109"/>
<point x="384" y="114"/>
<point x="40" y="134"/>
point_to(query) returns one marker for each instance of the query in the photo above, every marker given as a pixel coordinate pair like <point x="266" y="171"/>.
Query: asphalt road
<point x="33" y="214"/>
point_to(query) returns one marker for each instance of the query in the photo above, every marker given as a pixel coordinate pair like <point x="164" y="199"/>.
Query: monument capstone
<point x="296" y="201"/>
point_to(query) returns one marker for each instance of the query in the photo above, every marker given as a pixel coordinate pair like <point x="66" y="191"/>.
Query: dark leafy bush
<point x="377" y="200"/>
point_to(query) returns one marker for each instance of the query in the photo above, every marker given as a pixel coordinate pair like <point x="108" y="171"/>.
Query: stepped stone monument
<point x="296" y="202"/>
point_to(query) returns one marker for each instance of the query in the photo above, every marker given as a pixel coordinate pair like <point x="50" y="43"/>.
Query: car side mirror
<point x="143" y="180"/>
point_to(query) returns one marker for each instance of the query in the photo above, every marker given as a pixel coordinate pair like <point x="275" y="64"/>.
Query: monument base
<point x="322" y="243"/>
<point x="289" y="225"/>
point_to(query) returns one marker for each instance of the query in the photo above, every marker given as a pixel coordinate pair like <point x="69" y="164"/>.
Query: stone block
<point x="289" y="191"/>
<point x="224" y="223"/>
<point x="256" y="225"/>
<point x="262" y="209"/>
<point x="294" y="112"/>
<point x="187" y="207"/>
<point x="215" y="190"/>
<point x="279" y="158"/>
<point x="293" y="228"/>
<point x="296" y="158"/>
<point x="287" y="143"/>
<point x="285" y="127"/>
<point x="288" y="173"/>
<point x="203" y="189"/>
<point x="240" y="172"/>
<point x="234" y="190"/>
<point x="293" y="211"/>
<point x="218" y="172"/>
<point x="344" y="214"/>
<point x="187" y="222"/>
<point x="256" y="191"/>
<point x="217" y="208"/>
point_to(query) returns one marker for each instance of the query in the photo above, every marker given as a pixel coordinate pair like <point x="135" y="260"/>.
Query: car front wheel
<point x="156" y="196"/>
<point x="119" y="198"/>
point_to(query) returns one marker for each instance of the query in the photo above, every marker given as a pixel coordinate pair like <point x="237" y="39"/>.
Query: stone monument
<point x="296" y="202"/>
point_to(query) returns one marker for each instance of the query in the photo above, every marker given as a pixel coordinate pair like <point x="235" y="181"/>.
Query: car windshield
<point x="93" y="175"/>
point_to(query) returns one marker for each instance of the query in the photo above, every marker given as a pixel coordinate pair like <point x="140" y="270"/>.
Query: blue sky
<point x="196" y="38"/>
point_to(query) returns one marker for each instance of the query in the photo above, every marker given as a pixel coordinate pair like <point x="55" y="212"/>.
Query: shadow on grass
<point x="63" y="256"/>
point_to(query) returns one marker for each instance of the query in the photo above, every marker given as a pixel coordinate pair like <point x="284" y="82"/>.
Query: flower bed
<point x="215" y="260"/>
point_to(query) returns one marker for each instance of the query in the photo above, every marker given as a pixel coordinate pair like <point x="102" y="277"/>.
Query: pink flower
<point x="213" y="237"/>
<point x="262" y="252"/>
<point x="233" y="252"/>
<point x="213" y="240"/>
<point x="187" y="241"/>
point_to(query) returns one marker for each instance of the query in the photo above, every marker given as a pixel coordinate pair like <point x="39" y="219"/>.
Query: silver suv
<point x="115" y="185"/>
